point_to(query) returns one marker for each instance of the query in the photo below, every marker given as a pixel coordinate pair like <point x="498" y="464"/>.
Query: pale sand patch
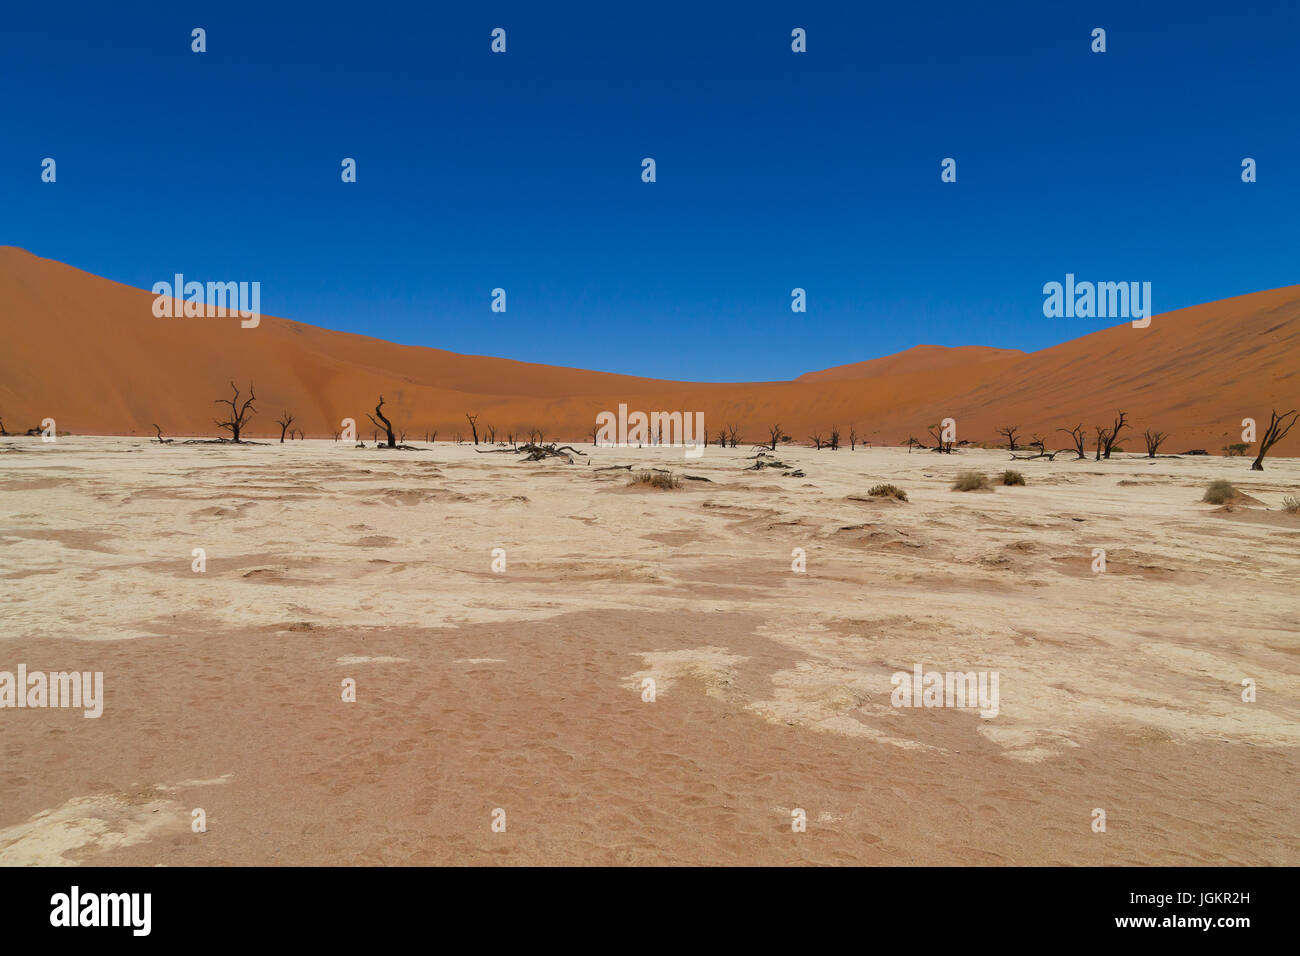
<point x="186" y="784"/>
<point x="823" y="696"/>
<point x="1120" y="687"/>
<point x="714" y="667"/>
<point x="86" y="826"/>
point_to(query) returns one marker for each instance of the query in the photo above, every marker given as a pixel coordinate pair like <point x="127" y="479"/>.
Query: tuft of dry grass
<point x="970" y="481"/>
<point x="888" y="491"/>
<point x="1219" y="491"/>
<point x="655" y="479"/>
<point x="1291" y="504"/>
<point x="1009" y="477"/>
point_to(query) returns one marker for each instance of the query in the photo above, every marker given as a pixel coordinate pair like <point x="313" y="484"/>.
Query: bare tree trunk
<point x="387" y="425"/>
<point x="1076" y="435"/>
<point x="774" y="433"/>
<point x="1273" y="434"/>
<point x="284" y="421"/>
<point x="1112" y="436"/>
<point x="238" y="413"/>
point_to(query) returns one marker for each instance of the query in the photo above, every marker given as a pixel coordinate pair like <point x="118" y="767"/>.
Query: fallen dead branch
<point x="535" y="452"/>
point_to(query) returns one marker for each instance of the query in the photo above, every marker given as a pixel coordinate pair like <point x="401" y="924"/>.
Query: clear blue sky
<point x="775" y="169"/>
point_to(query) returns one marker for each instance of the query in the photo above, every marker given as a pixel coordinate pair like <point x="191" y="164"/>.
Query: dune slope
<point x="90" y="353"/>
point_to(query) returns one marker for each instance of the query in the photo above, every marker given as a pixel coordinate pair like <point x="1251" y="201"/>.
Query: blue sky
<point x="775" y="170"/>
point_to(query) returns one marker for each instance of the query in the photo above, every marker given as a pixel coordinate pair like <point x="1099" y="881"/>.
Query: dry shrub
<point x="1219" y="491"/>
<point x="888" y="491"/>
<point x="656" y="479"/>
<point x="1009" y="477"/>
<point x="970" y="481"/>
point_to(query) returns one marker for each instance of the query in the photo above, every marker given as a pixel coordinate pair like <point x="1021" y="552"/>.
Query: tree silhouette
<point x="1153" y="440"/>
<point x="284" y="421"/>
<point x="387" y="426"/>
<point x="1076" y="435"/>
<point x="1273" y="434"/>
<point x="238" y="413"/>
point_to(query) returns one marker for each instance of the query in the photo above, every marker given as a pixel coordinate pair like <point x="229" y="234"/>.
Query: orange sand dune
<point x="89" y="353"/>
<point x="918" y="358"/>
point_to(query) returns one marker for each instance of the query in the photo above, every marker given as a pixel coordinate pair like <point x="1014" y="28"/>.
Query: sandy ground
<point x="522" y="691"/>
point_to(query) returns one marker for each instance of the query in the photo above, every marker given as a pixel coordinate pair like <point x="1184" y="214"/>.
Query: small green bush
<point x="1012" y="478"/>
<point x="888" y="491"/>
<point x="655" y="480"/>
<point x="1219" y="491"/>
<point x="970" y="481"/>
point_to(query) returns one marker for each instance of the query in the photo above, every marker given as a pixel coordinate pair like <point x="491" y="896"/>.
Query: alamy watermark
<point x="76" y="689"/>
<point x="1100" y="300"/>
<point x="212" y="300"/>
<point x="638" y="429"/>
<point x="950" y="689"/>
<point x="130" y="910"/>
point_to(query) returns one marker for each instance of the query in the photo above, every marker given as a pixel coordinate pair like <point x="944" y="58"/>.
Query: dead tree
<point x="774" y="435"/>
<point x="853" y="438"/>
<point x="1112" y="435"/>
<point x="733" y="434"/>
<point x="238" y="413"/>
<point x="817" y="439"/>
<point x="539" y="452"/>
<point x="1153" y="440"/>
<point x="1009" y="433"/>
<point x="284" y="421"/>
<point x="1101" y="440"/>
<point x="1038" y="442"/>
<point x="1076" y="435"/>
<point x="2" y="427"/>
<point x="387" y="426"/>
<point x="595" y="432"/>
<point x="834" y="441"/>
<point x="1273" y="434"/>
<point x="1049" y="455"/>
<point x="159" y="439"/>
<point x="473" y="420"/>
<point x="941" y="446"/>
